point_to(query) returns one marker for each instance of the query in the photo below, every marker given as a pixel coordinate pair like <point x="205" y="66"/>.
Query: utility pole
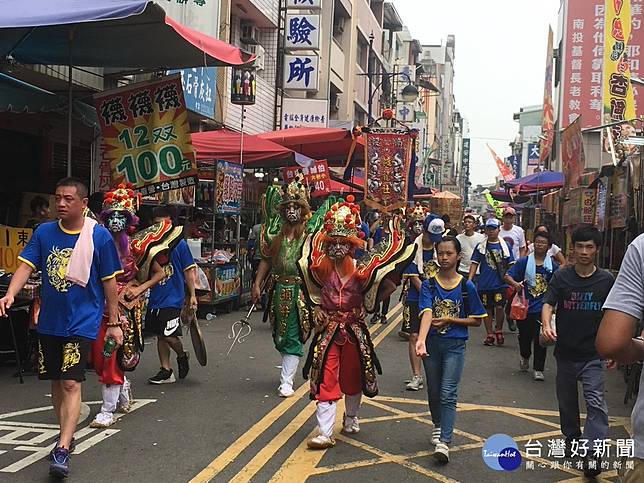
<point x="369" y="76"/>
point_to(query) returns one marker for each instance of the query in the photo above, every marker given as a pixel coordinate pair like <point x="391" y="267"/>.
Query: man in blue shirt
<point x="493" y="258"/>
<point x="71" y="312"/>
<point x="448" y="305"/>
<point x="532" y="274"/>
<point x="165" y="304"/>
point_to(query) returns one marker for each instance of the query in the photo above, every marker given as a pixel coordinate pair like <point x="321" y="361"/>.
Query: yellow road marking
<point x="217" y="465"/>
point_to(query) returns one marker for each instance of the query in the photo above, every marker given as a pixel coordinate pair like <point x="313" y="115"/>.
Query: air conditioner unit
<point x="249" y="34"/>
<point x="335" y="104"/>
<point x="338" y="26"/>
<point x="259" y="51"/>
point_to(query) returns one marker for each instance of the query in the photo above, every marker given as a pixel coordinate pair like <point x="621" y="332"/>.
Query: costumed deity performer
<point x="342" y="358"/>
<point x="285" y="214"/>
<point x="119" y="217"/>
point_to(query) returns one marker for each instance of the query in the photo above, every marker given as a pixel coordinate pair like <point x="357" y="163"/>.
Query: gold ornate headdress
<point x="417" y="213"/>
<point x="343" y="219"/>
<point x="296" y="192"/>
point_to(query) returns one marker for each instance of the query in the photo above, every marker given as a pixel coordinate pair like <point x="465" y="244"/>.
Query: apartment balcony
<point x="337" y="64"/>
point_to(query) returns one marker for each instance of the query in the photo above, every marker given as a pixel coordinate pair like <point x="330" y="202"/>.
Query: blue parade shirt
<point x="448" y="302"/>
<point x="489" y="278"/>
<point x="413" y="270"/>
<point x="542" y="280"/>
<point x="69" y="310"/>
<point x="170" y="292"/>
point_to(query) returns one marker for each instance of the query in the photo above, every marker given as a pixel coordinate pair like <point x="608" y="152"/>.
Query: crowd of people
<point x="320" y="273"/>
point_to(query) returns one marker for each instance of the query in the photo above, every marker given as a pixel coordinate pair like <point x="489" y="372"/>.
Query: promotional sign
<point x="12" y="241"/>
<point x="619" y="103"/>
<point x="572" y="154"/>
<point x="302" y="32"/>
<point x="147" y="136"/>
<point x="504" y="169"/>
<point x="405" y="112"/>
<point x="515" y="163"/>
<point x="243" y="85"/>
<point x="199" y="85"/>
<point x="548" y="119"/>
<point x="229" y="187"/>
<point x="583" y="59"/>
<point x="301" y="72"/>
<point x="533" y="154"/>
<point x="387" y="159"/>
<point x="316" y="177"/>
<point x="304" y="113"/>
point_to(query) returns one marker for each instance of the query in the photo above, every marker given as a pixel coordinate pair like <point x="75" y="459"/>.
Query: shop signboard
<point x="308" y="4"/>
<point x="147" y="136"/>
<point x="229" y="187"/>
<point x="587" y="204"/>
<point x="533" y="154"/>
<point x="243" y="85"/>
<point x="301" y="72"/>
<point x="199" y="86"/>
<point x="316" y="177"/>
<point x="12" y="241"/>
<point x="600" y="212"/>
<point x="302" y="31"/>
<point x="618" y="206"/>
<point x="304" y="113"/>
<point x="572" y="154"/>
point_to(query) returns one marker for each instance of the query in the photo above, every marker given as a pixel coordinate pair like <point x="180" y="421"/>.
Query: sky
<point x="500" y="61"/>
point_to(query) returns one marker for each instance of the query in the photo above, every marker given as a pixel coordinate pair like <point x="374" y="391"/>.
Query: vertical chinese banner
<point x="504" y="169"/>
<point x="572" y="154"/>
<point x="619" y="102"/>
<point x="146" y="135"/>
<point x="387" y="159"/>
<point x="548" y="120"/>
<point x="229" y="188"/>
<point x="316" y="177"/>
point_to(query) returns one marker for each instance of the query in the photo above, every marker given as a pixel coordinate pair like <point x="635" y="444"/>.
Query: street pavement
<point x="224" y="422"/>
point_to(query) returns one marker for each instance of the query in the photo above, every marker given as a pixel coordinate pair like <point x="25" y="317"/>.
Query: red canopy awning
<point x="332" y="144"/>
<point x="339" y="187"/>
<point x="226" y="145"/>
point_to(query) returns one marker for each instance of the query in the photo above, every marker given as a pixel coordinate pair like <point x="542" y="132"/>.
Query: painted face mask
<point x="117" y="222"/>
<point x="417" y="228"/>
<point x="337" y="249"/>
<point x="293" y="213"/>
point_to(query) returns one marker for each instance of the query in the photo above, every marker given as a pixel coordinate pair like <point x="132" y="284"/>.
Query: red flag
<point x="504" y="169"/>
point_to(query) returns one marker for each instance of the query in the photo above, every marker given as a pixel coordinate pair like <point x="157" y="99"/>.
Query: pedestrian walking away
<point x="449" y="304"/>
<point x="531" y="275"/>
<point x="578" y="292"/>
<point x="79" y="265"/>
<point x="492" y="257"/>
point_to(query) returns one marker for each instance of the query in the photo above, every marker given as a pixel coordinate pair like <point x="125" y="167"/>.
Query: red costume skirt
<point x="108" y="370"/>
<point x="342" y="372"/>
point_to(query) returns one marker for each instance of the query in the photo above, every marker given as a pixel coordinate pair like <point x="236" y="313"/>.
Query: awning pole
<point x="69" y="105"/>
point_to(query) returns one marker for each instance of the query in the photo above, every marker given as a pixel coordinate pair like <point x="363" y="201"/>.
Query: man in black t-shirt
<point x="578" y="292"/>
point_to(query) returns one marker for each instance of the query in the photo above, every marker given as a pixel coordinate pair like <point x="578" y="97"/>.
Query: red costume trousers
<point x="108" y="370"/>
<point x="342" y="371"/>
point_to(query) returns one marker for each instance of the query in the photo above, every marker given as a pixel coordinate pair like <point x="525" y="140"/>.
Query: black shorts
<point x="63" y="358"/>
<point x="493" y="298"/>
<point x="164" y="322"/>
<point x="414" y="319"/>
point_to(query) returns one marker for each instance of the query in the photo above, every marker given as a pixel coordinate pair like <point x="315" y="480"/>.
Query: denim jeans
<point x="443" y="369"/>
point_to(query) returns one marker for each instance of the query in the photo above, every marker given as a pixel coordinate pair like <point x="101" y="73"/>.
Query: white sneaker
<point x="436" y="436"/>
<point x="102" y="420"/>
<point x="538" y="376"/>
<point x="416" y="383"/>
<point x="351" y="424"/>
<point x="441" y="453"/>
<point x="524" y="364"/>
<point x="285" y="391"/>
<point x="321" y="442"/>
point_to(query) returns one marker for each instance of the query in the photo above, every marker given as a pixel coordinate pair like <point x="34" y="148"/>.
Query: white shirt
<point x="515" y="238"/>
<point x="552" y="251"/>
<point x="468" y="243"/>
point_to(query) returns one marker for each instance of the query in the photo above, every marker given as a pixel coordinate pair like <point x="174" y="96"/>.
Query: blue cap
<point x="493" y="223"/>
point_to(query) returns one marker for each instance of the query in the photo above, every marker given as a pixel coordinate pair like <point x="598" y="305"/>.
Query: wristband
<point x="113" y="324"/>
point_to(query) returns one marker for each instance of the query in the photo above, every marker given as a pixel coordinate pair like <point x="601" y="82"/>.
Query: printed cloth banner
<point x="572" y="154"/>
<point x="619" y="102"/>
<point x="387" y="159"/>
<point x="316" y="177"/>
<point x="548" y="120"/>
<point x="229" y="187"/>
<point x="504" y="169"/>
<point x="146" y="135"/>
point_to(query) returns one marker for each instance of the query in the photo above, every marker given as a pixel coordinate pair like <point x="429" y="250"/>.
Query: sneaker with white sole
<point x="164" y="376"/>
<point x="441" y="453"/>
<point x="524" y="364"/>
<point x="321" y="442"/>
<point x="416" y="383"/>
<point x="285" y="391"/>
<point x="538" y="376"/>
<point x="103" y="420"/>
<point x="436" y="436"/>
<point x="351" y="424"/>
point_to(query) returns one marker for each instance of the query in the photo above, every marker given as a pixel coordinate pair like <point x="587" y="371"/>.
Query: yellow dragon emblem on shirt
<point x="57" y="263"/>
<point x="540" y="286"/>
<point x="71" y="355"/>
<point x="168" y="271"/>
<point x="446" y="308"/>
